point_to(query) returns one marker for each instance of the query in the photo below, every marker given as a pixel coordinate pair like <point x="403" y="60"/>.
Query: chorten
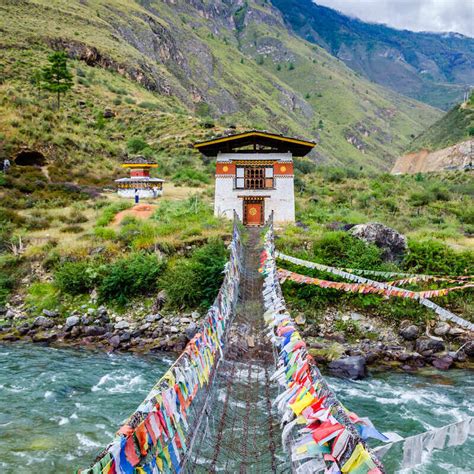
<point x="139" y="181"/>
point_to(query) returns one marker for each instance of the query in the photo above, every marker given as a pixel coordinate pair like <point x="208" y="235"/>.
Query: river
<point x="58" y="407"/>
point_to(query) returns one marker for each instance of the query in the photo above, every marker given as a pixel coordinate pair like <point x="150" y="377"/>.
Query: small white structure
<point x="254" y="175"/>
<point x="140" y="183"/>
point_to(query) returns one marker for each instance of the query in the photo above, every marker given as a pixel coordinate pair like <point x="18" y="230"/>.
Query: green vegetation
<point x="454" y="127"/>
<point x="195" y="281"/>
<point x="56" y="77"/>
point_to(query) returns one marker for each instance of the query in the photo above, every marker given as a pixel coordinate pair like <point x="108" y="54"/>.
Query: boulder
<point x="125" y="336"/>
<point x="456" y="332"/>
<point x="425" y="344"/>
<point x="442" y="329"/>
<point x="122" y="325"/>
<point x="444" y="362"/>
<point x="392" y="243"/>
<point x="353" y="367"/>
<point x="43" y="322"/>
<point x="71" y="322"/>
<point x="173" y="329"/>
<point x="410" y="333"/>
<point x="9" y="314"/>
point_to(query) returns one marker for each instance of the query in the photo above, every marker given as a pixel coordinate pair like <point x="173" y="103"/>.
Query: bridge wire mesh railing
<point x="304" y="461"/>
<point x="240" y="432"/>
<point x="161" y="434"/>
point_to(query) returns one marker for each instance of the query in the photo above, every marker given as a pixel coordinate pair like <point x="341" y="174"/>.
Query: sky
<point x="415" y="15"/>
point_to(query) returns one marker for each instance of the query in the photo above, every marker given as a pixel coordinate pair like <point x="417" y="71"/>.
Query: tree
<point x="56" y="76"/>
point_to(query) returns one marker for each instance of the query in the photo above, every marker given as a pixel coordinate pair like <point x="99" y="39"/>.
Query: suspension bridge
<point x="245" y="395"/>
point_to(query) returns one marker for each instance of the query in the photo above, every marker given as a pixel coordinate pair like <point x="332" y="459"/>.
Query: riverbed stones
<point x="9" y="314"/>
<point x="50" y="314"/>
<point x="151" y="318"/>
<point x="114" y="341"/>
<point x="43" y="322"/>
<point x="426" y="344"/>
<point x="410" y="333"/>
<point x="94" y="331"/>
<point x="352" y="367"/>
<point x="71" y="321"/>
<point x="444" y="362"/>
<point x="122" y="325"/>
<point x="442" y="329"/>
<point x="191" y="330"/>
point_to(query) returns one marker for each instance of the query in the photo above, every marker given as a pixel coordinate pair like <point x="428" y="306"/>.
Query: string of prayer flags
<point x="367" y="288"/>
<point x="422" y="298"/>
<point x="307" y="404"/>
<point x="157" y="436"/>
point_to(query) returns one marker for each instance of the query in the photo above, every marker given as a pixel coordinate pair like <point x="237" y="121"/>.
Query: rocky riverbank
<point x="346" y="342"/>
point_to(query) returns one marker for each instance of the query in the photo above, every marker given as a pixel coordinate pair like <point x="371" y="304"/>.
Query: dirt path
<point x="140" y="211"/>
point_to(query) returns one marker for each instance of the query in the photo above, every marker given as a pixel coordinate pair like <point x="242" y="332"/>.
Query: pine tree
<point x="56" y="76"/>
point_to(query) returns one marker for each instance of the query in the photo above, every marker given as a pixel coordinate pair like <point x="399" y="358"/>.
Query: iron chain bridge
<point x="245" y="396"/>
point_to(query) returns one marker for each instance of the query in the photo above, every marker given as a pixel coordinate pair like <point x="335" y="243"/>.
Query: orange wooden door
<point x="253" y="213"/>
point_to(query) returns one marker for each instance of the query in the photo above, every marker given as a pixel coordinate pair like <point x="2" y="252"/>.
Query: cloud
<point x="415" y="15"/>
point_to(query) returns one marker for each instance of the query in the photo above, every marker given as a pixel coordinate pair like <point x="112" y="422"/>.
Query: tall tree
<point x="56" y="75"/>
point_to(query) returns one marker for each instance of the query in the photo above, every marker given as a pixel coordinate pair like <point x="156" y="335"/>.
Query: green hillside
<point x="435" y="68"/>
<point x="169" y="72"/>
<point x="454" y="127"/>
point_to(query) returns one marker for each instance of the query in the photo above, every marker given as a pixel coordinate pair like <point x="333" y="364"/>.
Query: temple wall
<point x="143" y="193"/>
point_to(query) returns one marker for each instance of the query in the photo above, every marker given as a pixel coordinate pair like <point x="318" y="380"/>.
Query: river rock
<point x="456" y="332"/>
<point x="392" y="243"/>
<point x="125" y="336"/>
<point x="185" y="321"/>
<point x="468" y="349"/>
<point x="114" y="341"/>
<point x="43" y="322"/>
<point x="173" y="329"/>
<point x="410" y="333"/>
<point x="191" y="330"/>
<point x="144" y="327"/>
<point x="151" y="318"/>
<point x="195" y="315"/>
<point x="9" y="314"/>
<point x="442" y="329"/>
<point x="122" y="325"/>
<point x="94" y="331"/>
<point x="425" y="344"/>
<point x="71" y="322"/>
<point x="76" y="331"/>
<point x="444" y="362"/>
<point x="353" y="367"/>
<point x="44" y="337"/>
<point x="51" y="314"/>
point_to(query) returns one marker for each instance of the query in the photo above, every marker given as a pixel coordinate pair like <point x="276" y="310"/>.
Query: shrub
<point x="110" y="211"/>
<point x="190" y="177"/>
<point x="134" y="275"/>
<point x="6" y="285"/>
<point x="434" y="257"/>
<point x="148" y="105"/>
<point x="75" y="278"/>
<point x="136" y="145"/>
<point x="42" y="296"/>
<point x="195" y="281"/>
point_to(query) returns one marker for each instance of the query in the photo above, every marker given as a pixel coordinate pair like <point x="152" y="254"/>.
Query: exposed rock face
<point x="389" y="240"/>
<point x="456" y="157"/>
<point x="353" y="367"/>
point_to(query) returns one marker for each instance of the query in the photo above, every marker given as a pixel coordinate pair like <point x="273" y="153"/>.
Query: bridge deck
<point x="240" y="433"/>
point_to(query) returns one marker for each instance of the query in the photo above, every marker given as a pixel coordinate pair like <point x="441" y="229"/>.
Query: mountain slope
<point x="447" y="145"/>
<point x="433" y="68"/>
<point x="235" y="61"/>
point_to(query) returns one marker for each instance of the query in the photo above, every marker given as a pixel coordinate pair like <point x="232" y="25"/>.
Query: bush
<point x="148" y="105"/>
<point x="42" y="296"/>
<point x="190" y="177"/>
<point x="196" y="281"/>
<point x="343" y="250"/>
<point x="6" y="285"/>
<point x="434" y="257"/>
<point x="75" y="278"/>
<point x="136" y="145"/>
<point x="134" y="275"/>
